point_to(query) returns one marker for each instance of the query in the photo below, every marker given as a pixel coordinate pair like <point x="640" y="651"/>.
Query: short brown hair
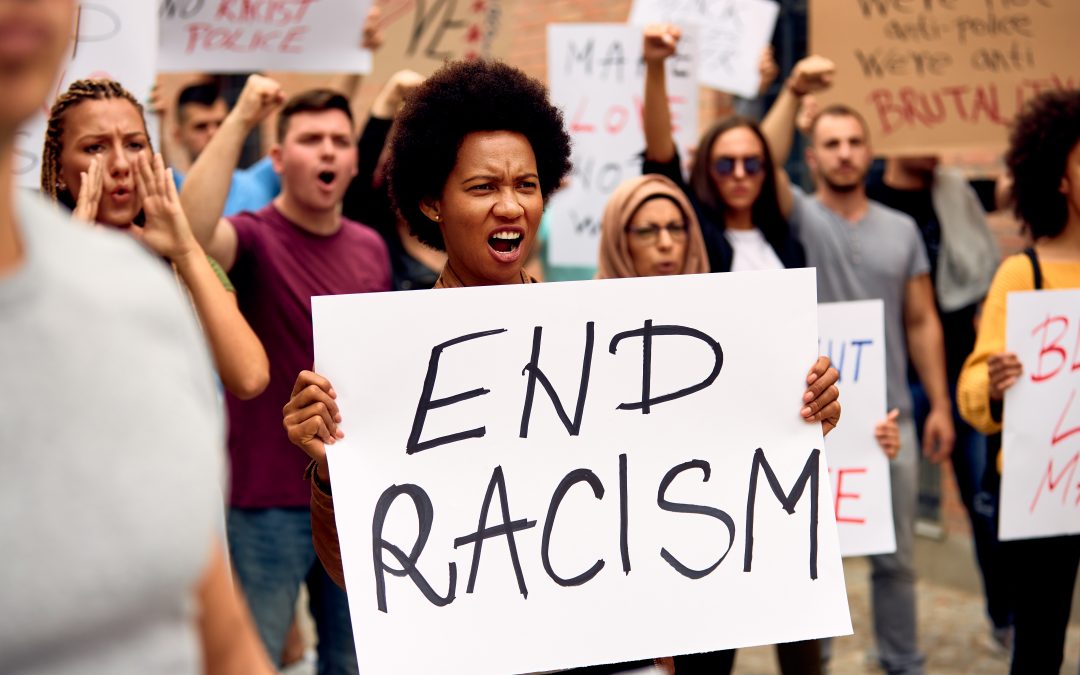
<point x="312" y="100"/>
<point x="838" y="110"/>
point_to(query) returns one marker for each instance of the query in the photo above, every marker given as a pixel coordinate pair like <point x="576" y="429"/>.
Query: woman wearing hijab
<point x="477" y="151"/>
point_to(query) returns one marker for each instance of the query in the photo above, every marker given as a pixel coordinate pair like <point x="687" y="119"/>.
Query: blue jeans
<point x="970" y="464"/>
<point x="272" y="555"/>
<point x="892" y="575"/>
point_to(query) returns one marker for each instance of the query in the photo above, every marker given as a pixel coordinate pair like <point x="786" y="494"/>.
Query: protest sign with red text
<point x="1040" y="483"/>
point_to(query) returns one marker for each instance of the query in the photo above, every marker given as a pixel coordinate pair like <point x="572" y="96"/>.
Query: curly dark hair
<point x="1042" y="138"/>
<point x="765" y="213"/>
<point x="460" y="98"/>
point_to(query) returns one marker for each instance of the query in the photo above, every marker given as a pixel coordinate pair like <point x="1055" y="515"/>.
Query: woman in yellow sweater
<point x="1044" y="161"/>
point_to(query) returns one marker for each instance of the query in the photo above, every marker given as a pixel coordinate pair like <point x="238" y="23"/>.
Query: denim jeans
<point x="893" y="575"/>
<point x="970" y="464"/>
<point x="272" y="555"/>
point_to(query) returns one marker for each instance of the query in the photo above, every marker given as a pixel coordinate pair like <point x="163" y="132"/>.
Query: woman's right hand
<point x="86" y="206"/>
<point x="1004" y="370"/>
<point x="660" y="41"/>
<point x="311" y="418"/>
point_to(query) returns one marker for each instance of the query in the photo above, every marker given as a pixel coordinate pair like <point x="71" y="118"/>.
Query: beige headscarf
<point x="615" y="261"/>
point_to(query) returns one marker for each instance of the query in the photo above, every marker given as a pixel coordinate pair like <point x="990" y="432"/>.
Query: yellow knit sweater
<point x="1015" y="274"/>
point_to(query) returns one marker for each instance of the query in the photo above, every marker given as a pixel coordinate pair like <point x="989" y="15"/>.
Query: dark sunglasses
<point x="752" y="166"/>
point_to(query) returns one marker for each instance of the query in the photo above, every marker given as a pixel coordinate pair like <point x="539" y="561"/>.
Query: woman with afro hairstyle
<point x="98" y="161"/>
<point x="477" y="152"/>
<point x="1044" y="163"/>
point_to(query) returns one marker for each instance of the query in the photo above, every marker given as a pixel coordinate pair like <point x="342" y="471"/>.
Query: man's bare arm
<point x="207" y="184"/>
<point x="926" y="348"/>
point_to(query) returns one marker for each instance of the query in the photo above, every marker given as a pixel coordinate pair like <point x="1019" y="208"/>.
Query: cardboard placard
<point x="649" y="461"/>
<point x="115" y="39"/>
<point x="1040" y="483"/>
<point x="421" y="35"/>
<point x="597" y="78"/>
<point x="934" y="75"/>
<point x="240" y="36"/>
<point x="852" y="335"/>
<point x="733" y="34"/>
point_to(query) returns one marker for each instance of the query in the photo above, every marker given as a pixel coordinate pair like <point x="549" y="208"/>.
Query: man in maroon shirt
<point x="278" y="258"/>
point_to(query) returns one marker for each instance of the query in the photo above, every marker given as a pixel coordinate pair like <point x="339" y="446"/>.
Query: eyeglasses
<point x="752" y="165"/>
<point x="648" y="234"/>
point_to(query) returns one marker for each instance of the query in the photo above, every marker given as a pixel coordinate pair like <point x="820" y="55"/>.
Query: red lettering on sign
<point x="1051" y="482"/>
<point x="209" y="38"/>
<point x="1040" y="374"/>
<point x="978" y="103"/>
<point x="840" y="495"/>
<point x="577" y="126"/>
<point x="1060" y="435"/>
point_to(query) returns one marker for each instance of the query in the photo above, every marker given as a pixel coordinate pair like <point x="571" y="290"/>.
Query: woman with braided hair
<point x="98" y="161"/>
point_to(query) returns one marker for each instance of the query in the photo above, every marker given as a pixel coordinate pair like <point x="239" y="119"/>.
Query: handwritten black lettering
<point x="185" y="9"/>
<point x="423" y="22"/>
<point x="426" y="403"/>
<point x="646" y="334"/>
<point x="676" y="507"/>
<point x="809" y="473"/>
<point x="624" y="515"/>
<point x="573" y="427"/>
<point x="425" y="515"/>
<point x="506" y="529"/>
<point x="571" y="479"/>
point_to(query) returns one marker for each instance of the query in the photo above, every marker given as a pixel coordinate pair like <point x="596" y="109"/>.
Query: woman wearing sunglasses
<point x="732" y="184"/>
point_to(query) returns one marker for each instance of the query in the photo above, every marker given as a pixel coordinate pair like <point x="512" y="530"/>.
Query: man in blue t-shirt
<point x="200" y="110"/>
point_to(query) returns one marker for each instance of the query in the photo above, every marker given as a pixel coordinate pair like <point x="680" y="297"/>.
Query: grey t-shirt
<point x="872" y="258"/>
<point x="112" y="456"/>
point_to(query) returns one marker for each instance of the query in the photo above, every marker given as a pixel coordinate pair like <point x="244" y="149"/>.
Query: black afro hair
<point x="1042" y="138"/>
<point x="460" y="98"/>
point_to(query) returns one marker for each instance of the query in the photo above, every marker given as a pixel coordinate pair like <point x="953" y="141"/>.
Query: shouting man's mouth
<point x="327" y="177"/>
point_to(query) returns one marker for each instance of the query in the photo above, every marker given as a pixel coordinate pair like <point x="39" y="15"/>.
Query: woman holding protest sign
<point x="1044" y="161"/>
<point x="477" y="151"/>
<point x="98" y="161"/>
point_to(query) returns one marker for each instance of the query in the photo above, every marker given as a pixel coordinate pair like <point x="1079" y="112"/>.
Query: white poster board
<point x="597" y="77"/>
<point x="852" y="335"/>
<point x="635" y="534"/>
<point x="241" y="36"/>
<point x="115" y="39"/>
<point x="1040" y="483"/>
<point x="733" y="34"/>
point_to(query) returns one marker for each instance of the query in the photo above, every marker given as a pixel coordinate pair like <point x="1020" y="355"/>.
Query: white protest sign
<point x="1040" y="484"/>
<point x="115" y="39"/>
<point x="597" y="77"/>
<point x="646" y="488"/>
<point x="852" y="335"/>
<point x="240" y="36"/>
<point x="733" y="34"/>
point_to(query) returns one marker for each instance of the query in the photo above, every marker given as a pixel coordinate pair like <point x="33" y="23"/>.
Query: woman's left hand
<point x="166" y="230"/>
<point x="821" y="402"/>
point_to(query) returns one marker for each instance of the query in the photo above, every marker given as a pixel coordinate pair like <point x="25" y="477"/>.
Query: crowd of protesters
<point x="126" y="287"/>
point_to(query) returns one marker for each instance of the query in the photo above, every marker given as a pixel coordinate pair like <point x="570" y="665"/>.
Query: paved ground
<point x="952" y="629"/>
